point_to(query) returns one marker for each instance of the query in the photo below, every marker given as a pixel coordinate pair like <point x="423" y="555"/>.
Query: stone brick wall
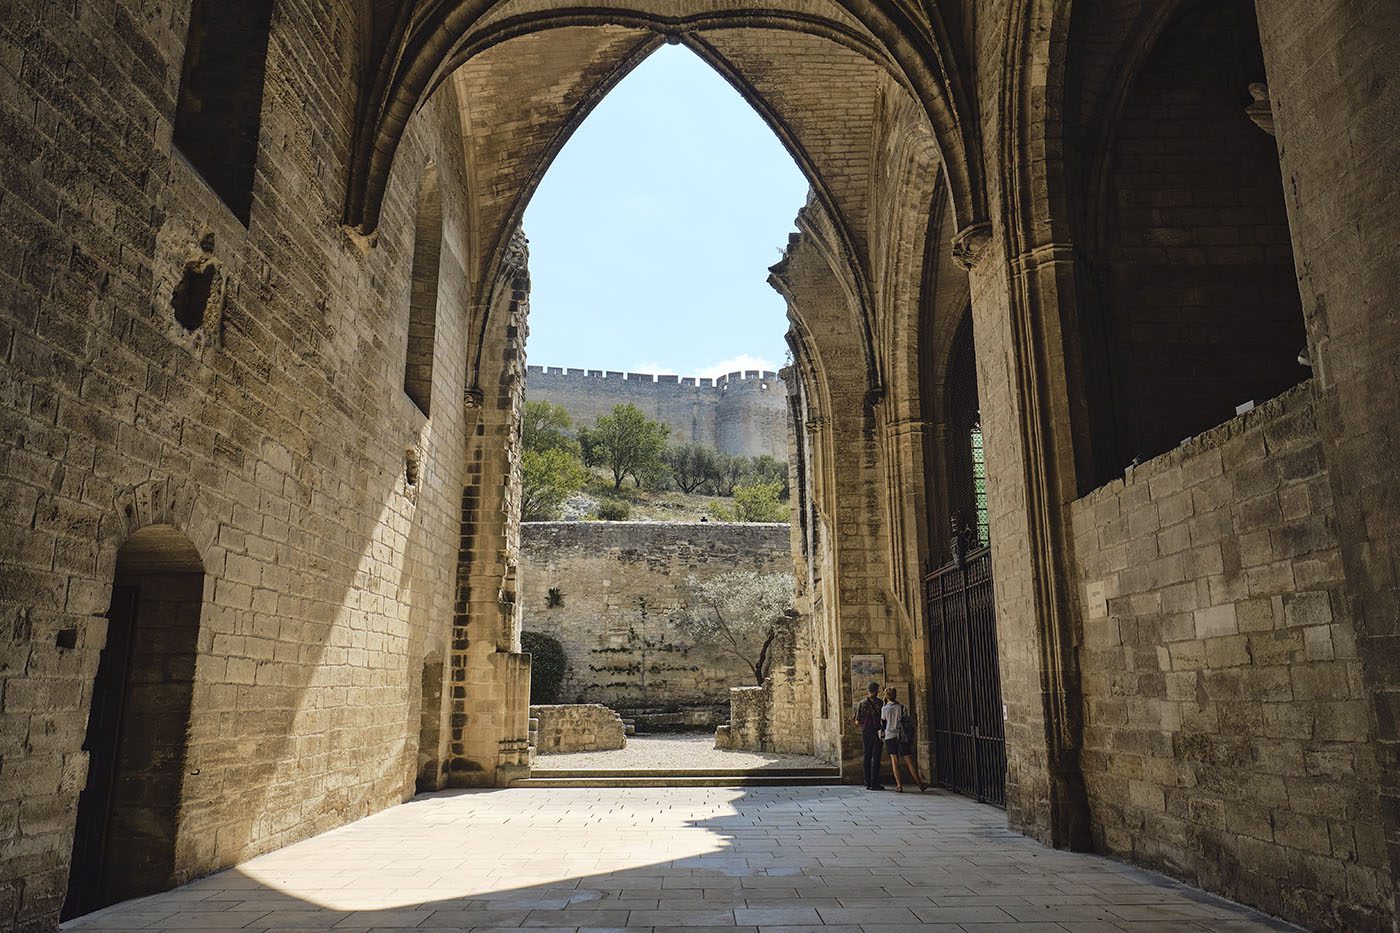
<point x="741" y="413"/>
<point x="579" y="727"/>
<point x="1227" y="739"/>
<point x="617" y="655"/>
<point x="770" y="718"/>
<point x="273" y="436"/>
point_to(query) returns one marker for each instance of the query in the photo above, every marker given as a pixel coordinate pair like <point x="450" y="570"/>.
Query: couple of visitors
<point x="893" y="725"/>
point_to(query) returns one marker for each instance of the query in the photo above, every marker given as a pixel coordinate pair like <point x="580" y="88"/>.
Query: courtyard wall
<point x="619" y="654"/>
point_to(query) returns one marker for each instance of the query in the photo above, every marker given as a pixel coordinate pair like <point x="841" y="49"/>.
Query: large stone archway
<point x="232" y="363"/>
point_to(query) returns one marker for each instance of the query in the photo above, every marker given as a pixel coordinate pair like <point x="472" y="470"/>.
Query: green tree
<point x="545" y="426"/>
<point x="729" y="471"/>
<point x="691" y="465"/>
<point x="547" y="478"/>
<point x="769" y="469"/>
<point x="744" y="612"/>
<point x="757" y="502"/>
<point x="627" y="443"/>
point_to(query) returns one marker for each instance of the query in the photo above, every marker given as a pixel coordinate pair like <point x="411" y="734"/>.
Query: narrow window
<point x="423" y="296"/>
<point x="979" y="485"/>
<point x="219" y="110"/>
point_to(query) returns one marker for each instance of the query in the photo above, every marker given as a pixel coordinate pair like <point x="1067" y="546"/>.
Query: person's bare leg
<point x="894" y="766"/>
<point x="913" y="764"/>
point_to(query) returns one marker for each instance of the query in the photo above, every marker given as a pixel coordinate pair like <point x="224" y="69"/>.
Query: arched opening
<point x="1198" y="296"/>
<point x="966" y="715"/>
<point x="650" y="236"/>
<point x="429" y="776"/>
<point x="423" y="294"/>
<point x="138" y="724"/>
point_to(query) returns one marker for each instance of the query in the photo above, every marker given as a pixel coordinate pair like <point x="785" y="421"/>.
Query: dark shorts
<point x="896" y="747"/>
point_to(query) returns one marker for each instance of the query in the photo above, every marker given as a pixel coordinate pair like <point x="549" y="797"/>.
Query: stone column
<point x="1031" y="479"/>
<point x="1334" y="83"/>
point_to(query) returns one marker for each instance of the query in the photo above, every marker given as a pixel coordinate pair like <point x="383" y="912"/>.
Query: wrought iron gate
<point x="969" y="734"/>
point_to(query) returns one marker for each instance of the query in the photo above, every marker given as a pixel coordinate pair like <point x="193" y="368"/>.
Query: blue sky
<point x="652" y="233"/>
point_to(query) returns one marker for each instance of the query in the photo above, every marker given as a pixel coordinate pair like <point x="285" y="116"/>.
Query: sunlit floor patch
<point x="754" y="859"/>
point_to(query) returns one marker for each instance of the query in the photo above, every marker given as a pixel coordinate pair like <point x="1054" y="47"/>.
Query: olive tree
<point x="744" y="612"/>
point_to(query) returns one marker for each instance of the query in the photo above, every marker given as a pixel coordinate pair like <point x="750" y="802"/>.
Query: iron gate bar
<point x="969" y="732"/>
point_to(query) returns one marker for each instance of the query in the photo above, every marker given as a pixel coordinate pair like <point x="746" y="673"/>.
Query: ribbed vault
<point x="789" y="54"/>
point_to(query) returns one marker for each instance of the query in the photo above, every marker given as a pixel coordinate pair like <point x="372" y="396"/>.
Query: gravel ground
<point x="676" y="752"/>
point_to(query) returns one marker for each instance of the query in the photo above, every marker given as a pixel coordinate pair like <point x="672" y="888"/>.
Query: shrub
<point x="756" y="503"/>
<point x="614" y="510"/>
<point x="547" y="664"/>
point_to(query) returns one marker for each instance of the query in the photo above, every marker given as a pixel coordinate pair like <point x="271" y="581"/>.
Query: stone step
<point x="677" y="779"/>
<point x="548" y="772"/>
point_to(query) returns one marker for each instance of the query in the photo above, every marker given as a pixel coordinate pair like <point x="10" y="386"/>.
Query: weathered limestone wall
<point x="769" y="718"/>
<point x="741" y="413"/>
<point x="1332" y="83"/>
<point x="1225" y="712"/>
<point x="273" y="437"/>
<point x="622" y="584"/>
<point x="581" y="727"/>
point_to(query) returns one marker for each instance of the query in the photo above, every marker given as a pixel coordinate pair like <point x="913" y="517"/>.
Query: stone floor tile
<point x="866" y="915"/>
<point x="681" y="918"/>
<point x="221" y="920"/>
<point x="383" y="919"/>
<point x="775" y="916"/>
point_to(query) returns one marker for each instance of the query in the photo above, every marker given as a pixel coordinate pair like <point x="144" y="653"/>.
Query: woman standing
<point x="899" y="739"/>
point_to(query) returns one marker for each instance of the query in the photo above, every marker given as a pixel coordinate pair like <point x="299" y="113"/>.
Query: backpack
<point x="905" y="729"/>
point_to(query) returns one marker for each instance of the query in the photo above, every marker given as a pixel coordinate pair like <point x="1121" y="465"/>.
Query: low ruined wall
<point x="775" y="717"/>
<point x="620" y="587"/>
<point x="748" y="720"/>
<point x="1227" y="735"/>
<point x="578" y="728"/>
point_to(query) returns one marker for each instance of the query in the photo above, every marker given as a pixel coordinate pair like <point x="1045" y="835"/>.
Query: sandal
<point x="899" y="788"/>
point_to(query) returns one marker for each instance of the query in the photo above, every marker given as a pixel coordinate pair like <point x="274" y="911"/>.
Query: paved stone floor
<point x="676" y="753"/>
<point x="785" y="860"/>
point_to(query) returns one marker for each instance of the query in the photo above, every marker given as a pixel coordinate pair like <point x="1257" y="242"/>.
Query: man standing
<point x="868" y="720"/>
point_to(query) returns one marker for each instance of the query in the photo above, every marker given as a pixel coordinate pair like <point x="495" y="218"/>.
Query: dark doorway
<point x="429" y="775"/>
<point x="124" y="839"/>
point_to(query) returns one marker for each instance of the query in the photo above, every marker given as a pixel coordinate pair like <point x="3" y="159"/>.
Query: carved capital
<point x="1259" y="110"/>
<point x="970" y="244"/>
<point x="473" y="398"/>
<point x="516" y="260"/>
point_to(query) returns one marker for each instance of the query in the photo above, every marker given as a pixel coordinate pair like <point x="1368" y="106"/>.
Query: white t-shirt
<point x="890" y="715"/>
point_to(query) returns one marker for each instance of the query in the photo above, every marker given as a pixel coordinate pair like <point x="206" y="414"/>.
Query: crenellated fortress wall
<point x="742" y="412"/>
